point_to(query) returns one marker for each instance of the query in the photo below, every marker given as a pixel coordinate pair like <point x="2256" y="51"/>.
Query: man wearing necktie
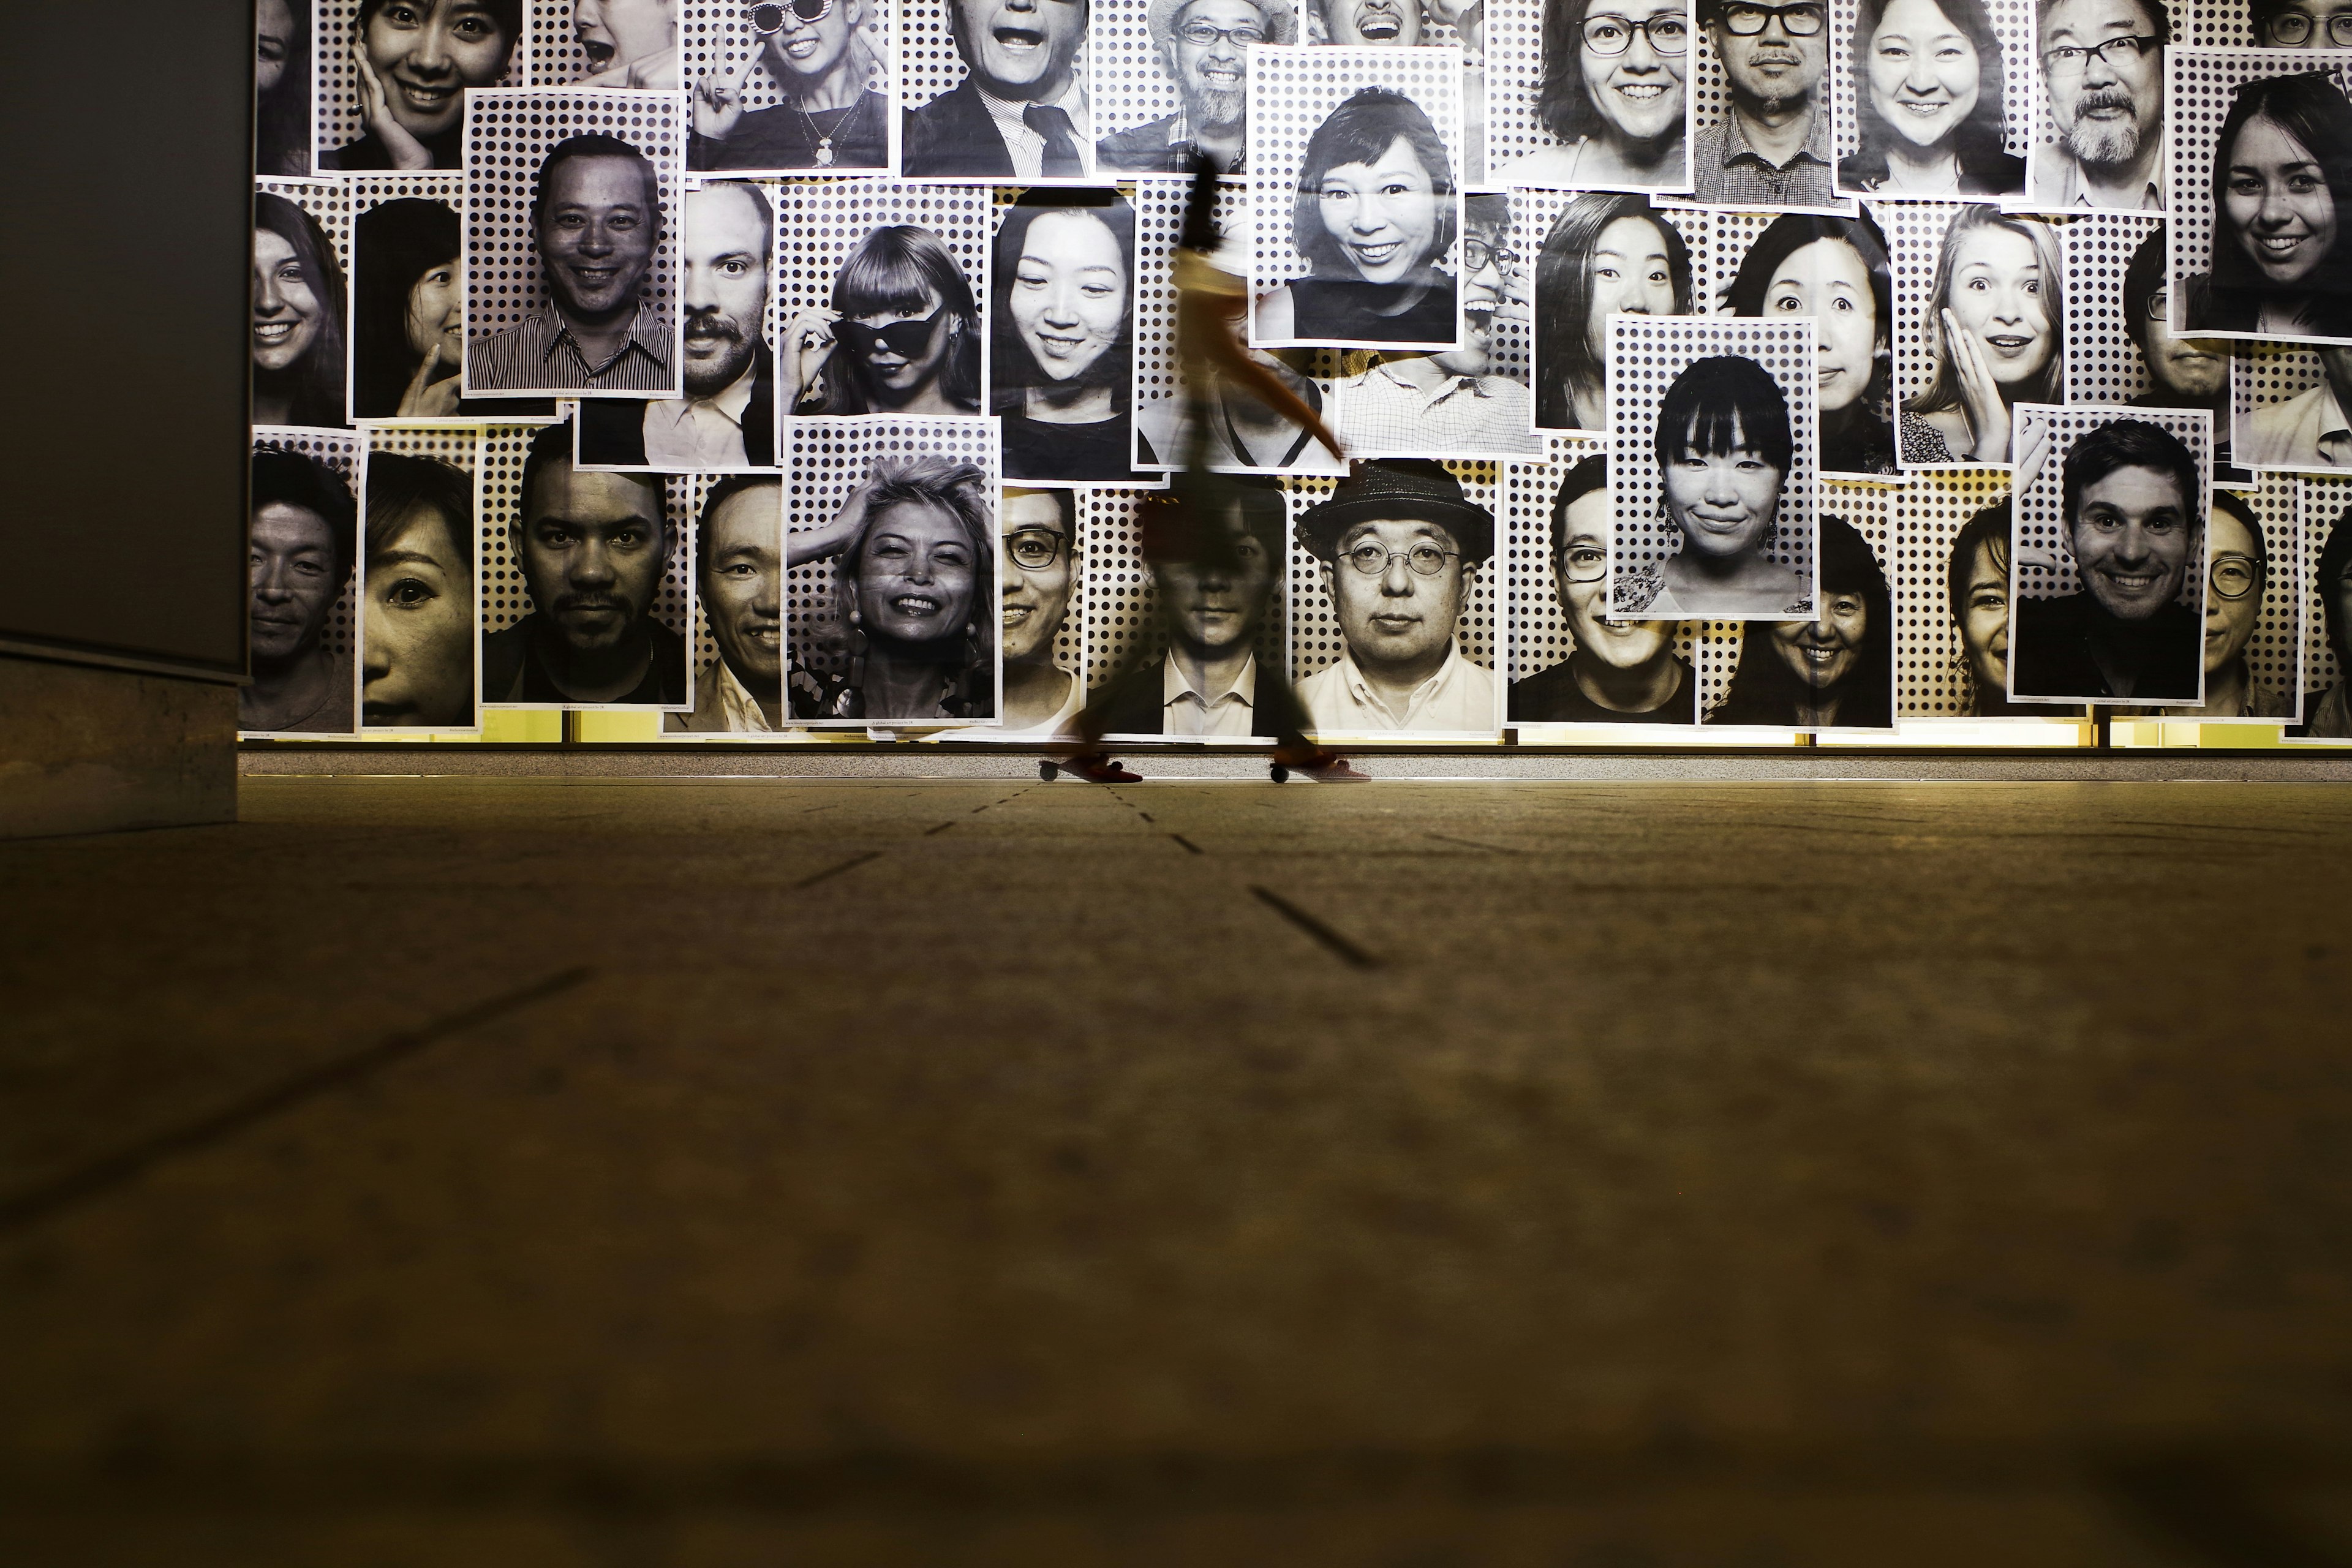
<point x="1021" y="113"/>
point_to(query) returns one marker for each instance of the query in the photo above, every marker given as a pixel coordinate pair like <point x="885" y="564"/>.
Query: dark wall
<point x="128" y="186"/>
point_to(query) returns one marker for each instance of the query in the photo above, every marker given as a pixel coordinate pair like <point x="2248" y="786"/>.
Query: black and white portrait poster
<point x="1598" y="96"/>
<point x="1980" y="327"/>
<point x="300" y="332"/>
<point x="1356" y="197"/>
<point x="1834" y="673"/>
<point x="892" y="574"/>
<point x="1836" y="270"/>
<point x="1934" y="97"/>
<point x="739" y="580"/>
<point x="2289" y="406"/>
<point x="1172" y="78"/>
<point x="995" y="92"/>
<point x="1062" y="329"/>
<point x="2254" y="605"/>
<point x="792" y="86"/>
<point x="574" y="205"/>
<point x="393" y="74"/>
<point x="605" y="564"/>
<point x="2108" y="563"/>
<point x="2262" y="169"/>
<point x="2101" y="142"/>
<point x="1597" y="255"/>
<point x="299" y="615"/>
<point x="2326" y="514"/>
<point x="1713" y="467"/>
<point x="420" y="630"/>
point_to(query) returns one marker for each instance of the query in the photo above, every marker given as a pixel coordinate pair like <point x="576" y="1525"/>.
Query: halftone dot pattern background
<point x="459" y="447"/>
<point x="1871" y="510"/>
<point x="820" y="223"/>
<point x="1515" y="64"/>
<point x="508" y="134"/>
<point x="2199" y="84"/>
<point x="2103" y="363"/>
<point x="1292" y="92"/>
<point x="824" y="460"/>
<point x="1931" y="673"/>
<point x="713" y="34"/>
<point x="1646" y="355"/>
<point x="1720" y="241"/>
<point x="337" y="113"/>
<point x="339" y="450"/>
<point x="2021" y="72"/>
<point x="329" y="206"/>
<point x="555" y="56"/>
<point x="1537" y="212"/>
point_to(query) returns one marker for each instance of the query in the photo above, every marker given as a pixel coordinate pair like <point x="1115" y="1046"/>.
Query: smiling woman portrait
<point x="413" y="60"/>
<point x="1927" y="96"/>
<point x="1614" y="95"/>
<point x="1062" y="336"/>
<point x="1833" y="671"/>
<point x="2281" y="195"/>
<point x="1374" y="212"/>
<point x="298" y="319"/>
<point x="1997" y="316"/>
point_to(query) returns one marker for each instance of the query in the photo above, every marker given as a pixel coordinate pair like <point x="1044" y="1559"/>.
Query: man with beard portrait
<point x="1203" y="47"/>
<point x="728" y="417"/>
<point x="2103" y="78"/>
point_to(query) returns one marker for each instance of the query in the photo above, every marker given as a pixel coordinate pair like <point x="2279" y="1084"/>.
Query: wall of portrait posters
<point x="1701" y="369"/>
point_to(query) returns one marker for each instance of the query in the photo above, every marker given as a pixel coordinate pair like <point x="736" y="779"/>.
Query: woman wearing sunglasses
<point x="1613" y="93"/>
<point x="826" y="117"/>
<point x="903" y="335"/>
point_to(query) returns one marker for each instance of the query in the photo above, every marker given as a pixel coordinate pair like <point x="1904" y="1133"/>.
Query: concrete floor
<point x="688" y="1173"/>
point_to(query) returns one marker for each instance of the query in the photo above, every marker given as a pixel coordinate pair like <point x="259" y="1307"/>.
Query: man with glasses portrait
<point x="2234" y="580"/>
<point x="1617" y="671"/>
<point x="1203" y="47"/>
<point x="826" y="118"/>
<point x="2301" y="24"/>
<point x="2103" y="76"/>
<point x="1773" y="148"/>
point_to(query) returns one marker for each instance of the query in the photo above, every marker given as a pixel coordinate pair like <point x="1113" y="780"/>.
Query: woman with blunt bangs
<point x="1373" y="213"/>
<point x="2000" y="325"/>
<point x="1614" y="94"/>
<point x="1604" y="254"/>
<point x="915" y="598"/>
<point x="1834" y="671"/>
<point x="413" y="60"/>
<point x="1835" y="270"/>
<point x="298" y="319"/>
<point x="1063" y="336"/>
<point x="2282" y="214"/>
<point x="1725" y="450"/>
<point x="903" y="335"/>
<point x="1928" y="94"/>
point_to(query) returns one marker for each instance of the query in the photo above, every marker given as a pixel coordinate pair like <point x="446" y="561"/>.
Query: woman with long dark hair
<point x="298" y="319"/>
<point x="1928" y="92"/>
<point x="2000" y="326"/>
<point x="1614" y="95"/>
<point x="2282" y="213"/>
<point x="1835" y="270"/>
<point x="408" y="311"/>
<point x="1374" y="213"/>
<point x="281" y="89"/>
<point x="1604" y="254"/>
<point x="903" y="335"/>
<point x="1834" y="671"/>
<point x="1063" y="336"/>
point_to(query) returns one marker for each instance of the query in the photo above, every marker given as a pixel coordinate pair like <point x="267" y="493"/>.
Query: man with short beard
<point x="828" y="119"/>
<point x="593" y="549"/>
<point x="1203" y="46"/>
<point x="738" y="568"/>
<point x="728" y="417"/>
<point x="1773" y="148"/>
<point x="2103" y="74"/>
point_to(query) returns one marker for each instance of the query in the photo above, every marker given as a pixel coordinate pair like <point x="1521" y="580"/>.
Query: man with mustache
<point x="739" y="570"/>
<point x="728" y="417"/>
<point x="1410" y="404"/>
<point x="596" y="221"/>
<point x="2103" y="74"/>
<point x="1021" y="113"/>
<point x="1772" y="150"/>
<point x="1204" y="47"/>
<point x="2133" y="523"/>
<point x="593" y="549"/>
<point x="1399" y="540"/>
<point x="303" y="541"/>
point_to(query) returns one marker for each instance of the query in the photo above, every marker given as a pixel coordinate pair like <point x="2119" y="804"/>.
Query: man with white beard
<point x="1204" y="47"/>
<point x="2103" y="72"/>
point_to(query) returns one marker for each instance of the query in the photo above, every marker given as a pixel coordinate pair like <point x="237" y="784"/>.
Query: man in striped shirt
<point x="596" y="220"/>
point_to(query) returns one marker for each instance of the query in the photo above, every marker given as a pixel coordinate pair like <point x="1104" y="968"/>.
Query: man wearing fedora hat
<point x="1398" y="541"/>
<point x="1203" y="46"/>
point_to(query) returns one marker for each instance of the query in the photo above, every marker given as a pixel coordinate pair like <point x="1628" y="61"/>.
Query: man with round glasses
<point x="1040" y="529"/>
<point x="2301" y="24"/>
<point x="1203" y="47"/>
<point x="1772" y="149"/>
<point x="826" y="116"/>
<point x="1399" y="540"/>
<point x="2103" y="76"/>
<point x="2235" y="583"/>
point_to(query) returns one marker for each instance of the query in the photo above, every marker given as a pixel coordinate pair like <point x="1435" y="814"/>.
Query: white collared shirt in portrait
<point x="1458" y="699"/>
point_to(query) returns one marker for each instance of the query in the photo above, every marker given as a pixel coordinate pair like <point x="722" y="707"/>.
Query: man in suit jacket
<point x="1021" y="114"/>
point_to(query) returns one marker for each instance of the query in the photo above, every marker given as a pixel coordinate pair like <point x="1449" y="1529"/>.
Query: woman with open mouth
<point x="1061" y="337"/>
<point x="415" y="59"/>
<point x="915" y="600"/>
<point x="1614" y="96"/>
<point x="1374" y="212"/>
<point x="903" y="335"/>
<point x="1835" y="671"/>
<point x="1725" y="448"/>
<point x="1928" y="94"/>
<point x="298" y="319"/>
<point x="2282" y="190"/>
<point x="1998" y="319"/>
<point x="1835" y="270"/>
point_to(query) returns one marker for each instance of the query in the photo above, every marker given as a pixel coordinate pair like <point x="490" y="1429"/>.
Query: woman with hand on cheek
<point x="1999" y="321"/>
